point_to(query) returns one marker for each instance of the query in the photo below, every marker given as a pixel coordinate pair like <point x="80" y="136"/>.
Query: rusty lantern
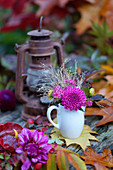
<point x="40" y="47"/>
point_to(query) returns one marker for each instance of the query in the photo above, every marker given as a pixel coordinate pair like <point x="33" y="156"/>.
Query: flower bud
<point x="50" y="94"/>
<point x="92" y="91"/>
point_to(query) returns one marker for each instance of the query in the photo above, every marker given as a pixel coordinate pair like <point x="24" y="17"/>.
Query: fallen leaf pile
<point x="104" y="87"/>
<point x="99" y="161"/>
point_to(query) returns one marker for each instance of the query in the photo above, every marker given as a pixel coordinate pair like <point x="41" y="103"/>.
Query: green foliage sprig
<point x="103" y="37"/>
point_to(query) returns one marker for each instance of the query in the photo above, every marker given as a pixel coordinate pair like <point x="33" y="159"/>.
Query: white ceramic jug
<point x="70" y="123"/>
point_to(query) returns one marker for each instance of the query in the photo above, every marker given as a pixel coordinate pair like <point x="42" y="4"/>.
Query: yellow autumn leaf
<point x="108" y="69"/>
<point x="83" y="140"/>
<point x="16" y="133"/>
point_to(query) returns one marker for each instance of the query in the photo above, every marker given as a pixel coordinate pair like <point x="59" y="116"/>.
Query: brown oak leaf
<point x="89" y="13"/>
<point x="106" y="112"/>
<point x="99" y="161"/>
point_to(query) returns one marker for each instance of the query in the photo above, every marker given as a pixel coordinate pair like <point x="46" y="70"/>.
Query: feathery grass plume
<point x="59" y="77"/>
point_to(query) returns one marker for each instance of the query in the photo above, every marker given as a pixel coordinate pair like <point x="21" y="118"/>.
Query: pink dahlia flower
<point x="73" y="98"/>
<point x="35" y="144"/>
<point x="7" y="100"/>
<point x="57" y="92"/>
<point x="70" y="82"/>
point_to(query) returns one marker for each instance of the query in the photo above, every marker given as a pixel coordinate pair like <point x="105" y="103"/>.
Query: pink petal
<point x="26" y="165"/>
<point x="26" y="132"/>
<point x="21" y="137"/>
<point x="19" y="150"/>
<point x="35" y="135"/>
<point x="44" y="139"/>
<point x="37" y="159"/>
<point x="40" y="135"/>
<point x="46" y="147"/>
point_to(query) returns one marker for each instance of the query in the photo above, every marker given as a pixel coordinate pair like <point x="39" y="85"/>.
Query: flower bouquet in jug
<point x="71" y="94"/>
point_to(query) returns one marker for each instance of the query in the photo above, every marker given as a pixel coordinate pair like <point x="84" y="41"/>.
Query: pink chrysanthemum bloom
<point x="35" y="144"/>
<point x="89" y="103"/>
<point x="57" y="92"/>
<point x="70" y="82"/>
<point x="73" y="98"/>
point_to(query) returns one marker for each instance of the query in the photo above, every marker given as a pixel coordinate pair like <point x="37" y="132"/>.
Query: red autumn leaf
<point x="60" y="12"/>
<point x="102" y="161"/>
<point x="7" y="4"/>
<point x="54" y="145"/>
<point x="39" y="130"/>
<point x="44" y="129"/>
<point x="7" y="129"/>
<point x="39" y="121"/>
<point x="38" y="166"/>
<point x="30" y="121"/>
<point x="52" y="150"/>
<point x="9" y="143"/>
<point x="21" y="21"/>
<point x="18" y="6"/>
<point x="1" y="141"/>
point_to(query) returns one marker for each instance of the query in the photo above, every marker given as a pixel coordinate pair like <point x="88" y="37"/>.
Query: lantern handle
<point x="40" y="25"/>
<point x="60" y="54"/>
<point x="20" y="49"/>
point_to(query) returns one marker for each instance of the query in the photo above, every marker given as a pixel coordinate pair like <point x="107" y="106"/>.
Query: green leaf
<point x="8" y="166"/>
<point x="105" y="27"/>
<point x="76" y="161"/>
<point x="97" y="97"/>
<point x="7" y="157"/>
<point x="56" y="140"/>
<point x="51" y="162"/>
<point x="85" y="90"/>
<point x="94" y="55"/>
<point x="101" y="58"/>
<point x="62" y="161"/>
<point x="102" y="35"/>
<point x="1" y="156"/>
<point x="109" y="34"/>
<point x="59" y="142"/>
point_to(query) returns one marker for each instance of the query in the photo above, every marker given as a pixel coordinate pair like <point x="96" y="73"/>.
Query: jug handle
<point x="60" y="54"/>
<point x="20" y="49"/>
<point x="49" y="110"/>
